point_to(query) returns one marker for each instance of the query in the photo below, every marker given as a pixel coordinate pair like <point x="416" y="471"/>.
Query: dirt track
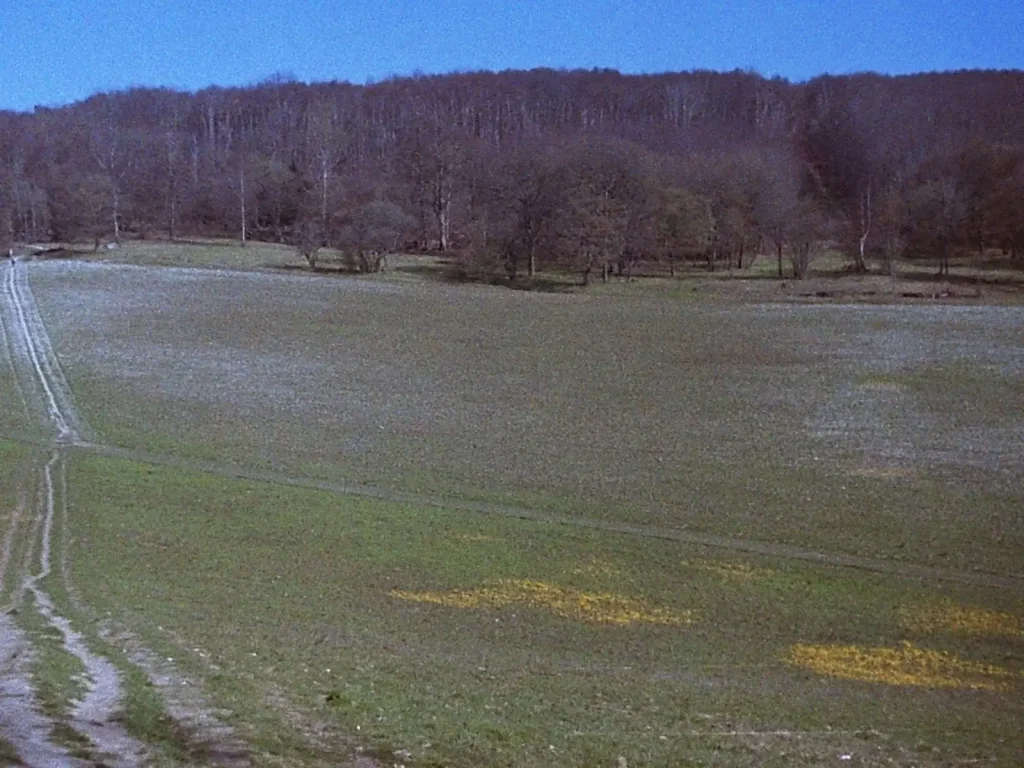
<point x="36" y="526"/>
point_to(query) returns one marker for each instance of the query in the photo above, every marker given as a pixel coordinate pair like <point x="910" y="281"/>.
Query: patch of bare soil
<point x="22" y="723"/>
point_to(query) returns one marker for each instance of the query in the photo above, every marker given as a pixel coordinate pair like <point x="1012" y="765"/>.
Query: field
<point x="317" y="520"/>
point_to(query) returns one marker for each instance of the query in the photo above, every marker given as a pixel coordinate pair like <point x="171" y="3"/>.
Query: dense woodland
<point x="516" y="172"/>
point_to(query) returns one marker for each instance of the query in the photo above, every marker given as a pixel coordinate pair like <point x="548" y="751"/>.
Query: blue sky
<point x="56" y="51"/>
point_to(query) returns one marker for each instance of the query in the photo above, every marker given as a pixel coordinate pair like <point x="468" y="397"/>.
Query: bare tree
<point x="111" y="150"/>
<point x="806" y="229"/>
<point x="684" y="225"/>
<point x="372" y="232"/>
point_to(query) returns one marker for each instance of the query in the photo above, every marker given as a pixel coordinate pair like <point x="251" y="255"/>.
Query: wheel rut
<point x="29" y="565"/>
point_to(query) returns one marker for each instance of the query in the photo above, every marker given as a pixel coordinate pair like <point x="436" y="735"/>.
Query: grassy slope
<point x="283" y="584"/>
<point x="292" y="591"/>
<point x="807" y="426"/>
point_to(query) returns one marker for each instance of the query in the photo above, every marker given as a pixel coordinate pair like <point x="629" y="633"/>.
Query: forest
<point x="517" y="172"/>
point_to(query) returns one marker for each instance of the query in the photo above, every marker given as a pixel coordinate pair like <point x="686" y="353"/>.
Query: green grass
<point x="145" y="717"/>
<point x="642" y="410"/>
<point x="8" y="755"/>
<point x="840" y="429"/>
<point x="290" y="590"/>
<point x="225" y="254"/>
<point x="992" y="272"/>
<point x="59" y="677"/>
<point x="16" y="514"/>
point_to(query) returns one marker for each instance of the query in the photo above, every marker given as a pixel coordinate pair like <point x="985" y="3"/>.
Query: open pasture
<point x="524" y="573"/>
<point x="878" y="431"/>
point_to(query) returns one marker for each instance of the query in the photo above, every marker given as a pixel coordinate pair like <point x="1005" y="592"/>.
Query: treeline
<point x="514" y="172"/>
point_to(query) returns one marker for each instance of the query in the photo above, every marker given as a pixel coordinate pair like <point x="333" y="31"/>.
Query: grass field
<point x="517" y="579"/>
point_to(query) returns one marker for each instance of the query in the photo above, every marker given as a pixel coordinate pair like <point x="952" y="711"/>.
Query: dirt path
<point x="95" y="715"/>
<point x="31" y="342"/>
<point x="35" y="367"/>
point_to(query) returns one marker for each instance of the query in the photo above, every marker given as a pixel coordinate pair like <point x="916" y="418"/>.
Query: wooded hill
<point x="518" y="171"/>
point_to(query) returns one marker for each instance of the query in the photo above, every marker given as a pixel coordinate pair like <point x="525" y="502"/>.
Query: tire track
<point x="21" y="723"/>
<point x="7" y="547"/>
<point x="95" y="716"/>
<point x="48" y="373"/>
<point x="8" y="354"/>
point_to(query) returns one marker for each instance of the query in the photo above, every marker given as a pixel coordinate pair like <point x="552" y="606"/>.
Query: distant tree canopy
<point x="588" y="170"/>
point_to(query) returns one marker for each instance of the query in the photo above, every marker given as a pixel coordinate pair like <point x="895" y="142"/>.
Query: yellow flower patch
<point x="730" y="570"/>
<point x="962" y="619"/>
<point x="567" y="602"/>
<point x="905" y="665"/>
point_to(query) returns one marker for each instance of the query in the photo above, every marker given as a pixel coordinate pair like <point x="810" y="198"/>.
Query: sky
<point x="54" y="52"/>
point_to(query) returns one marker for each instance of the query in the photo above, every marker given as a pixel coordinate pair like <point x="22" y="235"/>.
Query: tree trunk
<point x="860" y="261"/>
<point x="444" y="228"/>
<point x="778" y="254"/>
<point x="117" y="211"/>
<point x="241" y="198"/>
<point x="511" y="266"/>
<point x="172" y="219"/>
<point x="324" y="177"/>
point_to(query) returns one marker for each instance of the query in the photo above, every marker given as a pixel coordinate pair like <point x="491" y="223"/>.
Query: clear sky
<point x="56" y="51"/>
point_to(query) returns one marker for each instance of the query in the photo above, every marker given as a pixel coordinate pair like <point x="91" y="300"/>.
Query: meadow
<point x="393" y="520"/>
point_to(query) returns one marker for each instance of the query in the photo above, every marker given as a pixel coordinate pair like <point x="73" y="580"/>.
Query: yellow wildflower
<point x="962" y="619"/>
<point x="905" y="665"/>
<point x="567" y="602"/>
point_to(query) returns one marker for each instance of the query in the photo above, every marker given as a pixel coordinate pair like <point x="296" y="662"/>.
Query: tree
<point x="112" y="153"/>
<point x="79" y="208"/>
<point x="481" y="158"/>
<point x="935" y="217"/>
<point x="373" y="231"/>
<point x="308" y="240"/>
<point x="777" y="208"/>
<point x="806" y="228"/>
<point x="605" y="213"/>
<point x="731" y="181"/>
<point x="982" y="173"/>
<point x="592" y="230"/>
<point x="890" y="224"/>
<point x="326" y="150"/>
<point x="1007" y="213"/>
<point x="529" y="196"/>
<point x="684" y="225"/>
